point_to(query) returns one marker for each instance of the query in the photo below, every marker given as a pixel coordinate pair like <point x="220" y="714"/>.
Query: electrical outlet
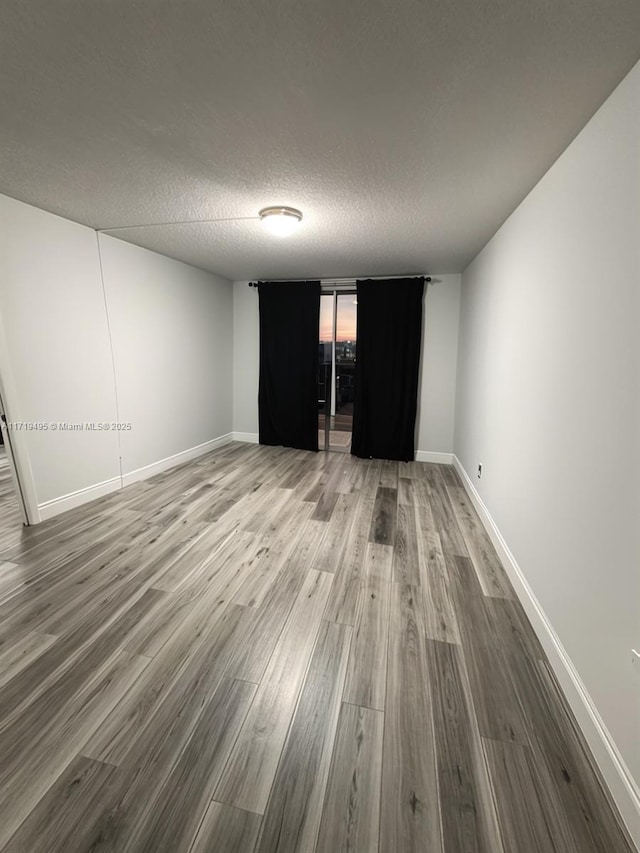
<point x="480" y="470"/>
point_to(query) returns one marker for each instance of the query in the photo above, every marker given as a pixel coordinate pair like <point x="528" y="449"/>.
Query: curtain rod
<point x="427" y="278"/>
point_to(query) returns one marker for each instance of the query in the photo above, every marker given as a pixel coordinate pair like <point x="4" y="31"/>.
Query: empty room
<point x="320" y="401"/>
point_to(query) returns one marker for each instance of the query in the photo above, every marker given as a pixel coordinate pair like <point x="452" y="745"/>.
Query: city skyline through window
<point x="336" y="370"/>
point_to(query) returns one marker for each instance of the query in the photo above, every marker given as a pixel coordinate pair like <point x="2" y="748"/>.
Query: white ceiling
<point x="405" y="131"/>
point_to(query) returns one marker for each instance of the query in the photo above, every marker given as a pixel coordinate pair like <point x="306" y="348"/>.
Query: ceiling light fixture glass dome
<point x="280" y="221"/>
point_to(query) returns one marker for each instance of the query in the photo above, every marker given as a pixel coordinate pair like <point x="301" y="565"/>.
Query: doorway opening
<point x="13" y="513"/>
<point x="336" y="368"/>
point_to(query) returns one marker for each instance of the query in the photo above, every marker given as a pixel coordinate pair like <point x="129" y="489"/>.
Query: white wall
<point x="246" y="359"/>
<point x="55" y="361"/>
<point x="171" y="327"/>
<point x="436" y="402"/>
<point x="438" y="368"/>
<point x="548" y="401"/>
<point x="172" y="335"/>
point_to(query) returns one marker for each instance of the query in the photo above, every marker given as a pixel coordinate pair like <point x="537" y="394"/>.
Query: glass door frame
<point x="333" y="290"/>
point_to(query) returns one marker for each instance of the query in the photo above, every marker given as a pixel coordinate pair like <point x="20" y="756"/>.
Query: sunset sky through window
<point x="347" y="308"/>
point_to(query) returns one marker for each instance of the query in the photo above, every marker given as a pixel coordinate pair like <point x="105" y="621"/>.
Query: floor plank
<point x="469" y="820"/>
<point x="62" y="820"/>
<point x="568" y="772"/>
<point x="410" y="818"/>
<point x="343" y="601"/>
<point x="441" y="621"/>
<point x="367" y="671"/>
<point x="379" y="562"/>
<point x="248" y="778"/>
<point x="45" y="738"/>
<point x="292" y="820"/>
<point x="444" y="518"/>
<point x="192" y="664"/>
<point x="523" y="821"/>
<point x="383" y="523"/>
<point x="351" y="814"/>
<point x="228" y="830"/>
<point x="167" y="784"/>
<point x="333" y="545"/>
<point x="498" y="709"/>
<point x="406" y="562"/>
<point x="491" y="574"/>
<point x="21" y="653"/>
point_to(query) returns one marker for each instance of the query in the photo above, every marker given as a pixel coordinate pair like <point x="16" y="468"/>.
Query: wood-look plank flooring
<point x="10" y="514"/>
<point x="268" y="650"/>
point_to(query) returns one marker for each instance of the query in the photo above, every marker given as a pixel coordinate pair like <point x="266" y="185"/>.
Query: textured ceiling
<point x="406" y="131"/>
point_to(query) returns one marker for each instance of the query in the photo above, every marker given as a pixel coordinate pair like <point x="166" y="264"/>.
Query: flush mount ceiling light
<point x="280" y="221"/>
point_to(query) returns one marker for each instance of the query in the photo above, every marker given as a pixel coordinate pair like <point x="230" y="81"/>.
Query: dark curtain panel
<point x="288" y="391"/>
<point x="387" y="367"/>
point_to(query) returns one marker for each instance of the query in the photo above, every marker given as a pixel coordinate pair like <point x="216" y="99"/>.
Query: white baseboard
<point x="432" y="456"/>
<point x="248" y="437"/>
<point x="421" y="455"/>
<point x="177" y="459"/>
<point x="615" y="772"/>
<point x="58" y="505"/>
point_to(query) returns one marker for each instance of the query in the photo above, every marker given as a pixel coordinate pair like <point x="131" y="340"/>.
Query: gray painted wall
<point x="548" y="401"/>
<point x="171" y="329"/>
<point x="246" y="358"/>
<point x="56" y="360"/>
<point x="172" y="334"/>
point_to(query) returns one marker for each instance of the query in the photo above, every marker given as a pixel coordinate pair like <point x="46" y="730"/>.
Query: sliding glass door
<point x="337" y="367"/>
